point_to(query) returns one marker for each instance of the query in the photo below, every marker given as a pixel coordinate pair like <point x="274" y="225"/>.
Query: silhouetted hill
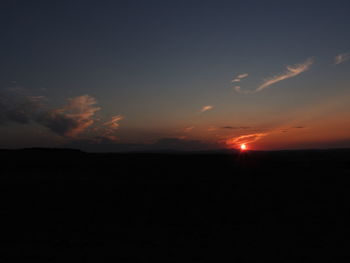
<point x="63" y="205"/>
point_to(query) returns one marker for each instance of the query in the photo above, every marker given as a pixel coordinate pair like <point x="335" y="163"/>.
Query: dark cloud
<point x="19" y="116"/>
<point x="70" y="120"/>
<point x="290" y="128"/>
<point x="58" y="122"/>
<point x="17" y="108"/>
<point x="179" y="144"/>
<point x="102" y="144"/>
<point x="236" y="127"/>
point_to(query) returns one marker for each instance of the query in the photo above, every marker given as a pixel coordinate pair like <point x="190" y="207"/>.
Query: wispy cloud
<point x="36" y="98"/>
<point x="206" y="108"/>
<point x="111" y="126"/>
<point x="237" y="88"/>
<point x="248" y="138"/>
<point x="188" y="129"/>
<point x="292" y="128"/>
<point x="341" y="58"/>
<point x="212" y="129"/>
<point x="113" y="123"/>
<point x="240" y="77"/>
<point x="291" y="71"/>
<point x="236" y="127"/>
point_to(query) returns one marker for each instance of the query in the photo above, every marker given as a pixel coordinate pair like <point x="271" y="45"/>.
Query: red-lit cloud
<point x="239" y="77"/>
<point x="291" y="71"/>
<point x="111" y="126"/>
<point x="235" y="142"/>
<point x="71" y="119"/>
<point x="206" y="108"/>
<point x="341" y="58"/>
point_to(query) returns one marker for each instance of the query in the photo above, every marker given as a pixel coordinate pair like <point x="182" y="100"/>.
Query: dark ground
<point x="70" y="206"/>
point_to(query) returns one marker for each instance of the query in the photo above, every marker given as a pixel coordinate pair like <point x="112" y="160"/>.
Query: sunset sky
<point x="185" y="75"/>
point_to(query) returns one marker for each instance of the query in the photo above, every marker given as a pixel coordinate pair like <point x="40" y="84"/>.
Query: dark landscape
<point x="174" y="131"/>
<point x="61" y="205"/>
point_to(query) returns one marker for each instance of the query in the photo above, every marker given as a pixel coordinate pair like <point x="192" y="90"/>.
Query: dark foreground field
<point x="70" y="206"/>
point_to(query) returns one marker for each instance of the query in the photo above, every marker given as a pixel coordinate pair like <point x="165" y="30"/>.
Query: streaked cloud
<point x="248" y="138"/>
<point x="341" y="58"/>
<point x="110" y="127"/>
<point x="114" y="122"/>
<point x="206" y="108"/>
<point x="291" y="72"/>
<point x="212" y="129"/>
<point x="238" y="89"/>
<point x="36" y="98"/>
<point x="188" y="129"/>
<point x="236" y="127"/>
<point x="240" y="77"/>
<point x="292" y="128"/>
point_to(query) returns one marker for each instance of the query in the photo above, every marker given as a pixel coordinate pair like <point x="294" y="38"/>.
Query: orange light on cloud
<point x="242" y="141"/>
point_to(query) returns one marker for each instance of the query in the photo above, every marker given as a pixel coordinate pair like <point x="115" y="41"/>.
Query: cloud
<point x="248" y="138"/>
<point x="237" y="88"/>
<point x="206" y="108"/>
<point x="188" y="129"/>
<point x="113" y="123"/>
<point x="111" y="126"/>
<point x="100" y="144"/>
<point x="240" y="77"/>
<point x="292" y="128"/>
<point x="36" y="98"/>
<point x="235" y="127"/>
<point x="17" y="108"/>
<point x="341" y="58"/>
<point x="212" y="128"/>
<point x="291" y="71"/>
<point x="71" y="119"/>
<point x="178" y="144"/>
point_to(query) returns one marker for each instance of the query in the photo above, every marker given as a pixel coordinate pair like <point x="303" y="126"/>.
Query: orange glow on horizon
<point x="243" y="147"/>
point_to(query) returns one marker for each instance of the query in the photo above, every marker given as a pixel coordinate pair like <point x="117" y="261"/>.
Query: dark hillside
<point x="71" y="206"/>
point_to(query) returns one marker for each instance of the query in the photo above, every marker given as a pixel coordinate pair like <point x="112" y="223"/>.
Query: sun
<point x="243" y="147"/>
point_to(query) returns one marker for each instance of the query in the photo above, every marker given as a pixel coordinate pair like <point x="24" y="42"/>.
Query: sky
<point x="184" y="75"/>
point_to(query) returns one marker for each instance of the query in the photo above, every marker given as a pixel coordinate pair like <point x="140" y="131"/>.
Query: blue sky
<point x="157" y="63"/>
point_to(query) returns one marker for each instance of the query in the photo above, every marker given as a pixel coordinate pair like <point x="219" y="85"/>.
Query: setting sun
<point x="243" y="147"/>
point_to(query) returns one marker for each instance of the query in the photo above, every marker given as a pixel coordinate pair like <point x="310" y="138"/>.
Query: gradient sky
<point x="120" y="75"/>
